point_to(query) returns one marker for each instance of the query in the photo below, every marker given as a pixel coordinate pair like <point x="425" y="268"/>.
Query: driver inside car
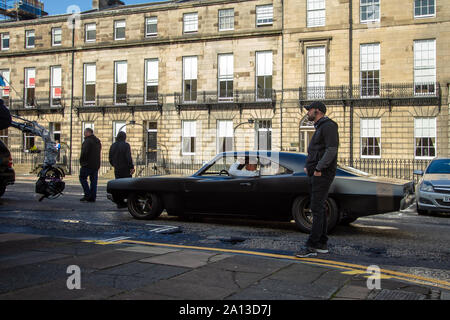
<point x="244" y="168"/>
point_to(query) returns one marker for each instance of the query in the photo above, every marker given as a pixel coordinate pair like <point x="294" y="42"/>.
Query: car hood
<point x="438" y="179"/>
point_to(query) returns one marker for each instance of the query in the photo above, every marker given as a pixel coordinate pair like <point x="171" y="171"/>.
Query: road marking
<point x="70" y="221"/>
<point x="320" y="262"/>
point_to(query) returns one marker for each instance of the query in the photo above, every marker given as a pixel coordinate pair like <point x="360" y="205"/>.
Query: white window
<point x="55" y="131"/>
<point x="28" y="141"/>
<point x="316" y="13"/>
<point x="56" y="36"/>
<point x="424" y="8"/>
<point x="151" y="26"/>
<point x="118" y="126"/>
<point x="188" y="137"/>
<point x="263" y="135"/>
<point x="226" y="19"/>
<point x="190" y="22"/>
<point x="371" y="138"/>
<point x="120" y="82"/>
<point x="225" y="77"/>
<point x="5" y="41"/>
<point x="370" y="10"/>
<point x="30" y="85"/>
<point x="224" y="135"/>
<point x="315" y="78"/>
<point x="56" y="86"/>
<point x="370" y="69"/>
<point x="424" y="67"/>
<point x="119" y="30"/>
<point x="425" y="137"/>
<point x="4" y="91"/>
<point x="264" y="75"/>
<point x="91" y="32"/>
<point x="84" y="126"/>
<point x="264" y="15"/>
<point x="189" y="79"/>
<point x="151" y="80"/>
<point x="29" y="39"/>
<point x="90" y="70"/>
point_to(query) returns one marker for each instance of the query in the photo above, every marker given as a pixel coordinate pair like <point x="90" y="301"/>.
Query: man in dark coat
<point x="90" y="164"/>
<point x="320" y="167"/>
<point x="120" y="158"/>
<point x="5" y="116"/>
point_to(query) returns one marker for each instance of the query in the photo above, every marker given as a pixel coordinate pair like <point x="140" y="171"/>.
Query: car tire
<point x="421" y="212"/>
<point x="347" y="221"/>
<point x="2" y="190"/>
<point x="144" y="206"/>
<point x="300" y="210"/>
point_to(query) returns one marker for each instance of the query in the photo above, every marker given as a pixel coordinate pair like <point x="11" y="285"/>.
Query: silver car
<point x="433" y="189"/>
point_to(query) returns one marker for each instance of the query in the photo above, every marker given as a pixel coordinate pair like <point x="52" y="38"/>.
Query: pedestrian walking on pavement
<point x="120" y="158"/>
<point x="320" y="167"/>
<point x="90" y="164"/>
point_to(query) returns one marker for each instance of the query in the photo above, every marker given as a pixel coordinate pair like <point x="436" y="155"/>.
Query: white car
<point x="433" y="189"/>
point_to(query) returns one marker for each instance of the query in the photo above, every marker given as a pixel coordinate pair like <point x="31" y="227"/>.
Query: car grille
<point x="442" y="190"/>
<point x="442" y="203"/>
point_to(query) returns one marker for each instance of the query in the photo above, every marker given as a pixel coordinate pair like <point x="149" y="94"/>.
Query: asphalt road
<point x="400" y="241"/>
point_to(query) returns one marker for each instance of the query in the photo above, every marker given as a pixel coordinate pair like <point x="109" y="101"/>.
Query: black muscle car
<point x="277" y="191"/>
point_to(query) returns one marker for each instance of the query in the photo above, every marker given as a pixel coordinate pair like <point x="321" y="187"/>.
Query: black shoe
<point x="84" y="199"/>
<point x="306" y="252"/>
<point x="90" y="200"/>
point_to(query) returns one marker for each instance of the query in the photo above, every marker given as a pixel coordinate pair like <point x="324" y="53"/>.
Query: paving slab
<point x="187" y="258"/>
<point x="30" y="257"/>
<point x="149" y="249"/>
<point x="352" y="292"/>
<point x="141" y="295"/>
<point x="103" y="260"/>
<point x="5" y="237"/>
<point x="244" y="263"/>
<point x="386" y="294"/>
<point x="187" y="290"/>
<point x="263" y="294"/>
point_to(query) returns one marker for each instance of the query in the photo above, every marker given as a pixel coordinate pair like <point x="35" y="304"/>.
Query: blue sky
<point x="53" y="7"/>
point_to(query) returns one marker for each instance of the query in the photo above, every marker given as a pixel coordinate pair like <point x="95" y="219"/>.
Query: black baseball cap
<point x="317" y="105"/>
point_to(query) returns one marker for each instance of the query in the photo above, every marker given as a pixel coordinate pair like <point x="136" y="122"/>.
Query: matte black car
<point x="7" y="174"/>
<point x="279" y="191"/>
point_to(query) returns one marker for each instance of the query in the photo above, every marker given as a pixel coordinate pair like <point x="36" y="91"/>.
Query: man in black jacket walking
<point x="120" y="158"/>
<point x="320" y="167"/>
<point x="90" y="164"/>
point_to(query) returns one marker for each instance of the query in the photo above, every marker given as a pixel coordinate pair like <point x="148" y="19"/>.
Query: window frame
<point x="53" y="37"/>
<point x="376" y="60"/>
<point x="377" y="127"/>
<point x="3" y="48"/>
<point x="194" y="137"/>
<point x="269" y="129"/>
<point x="309" y="24"/>
<point x="86" y="31"/>
<point x="424" y="16"/>
<point x="115" y="127"/>
<point x="191" y="79"/>
<point x="225" y="78"/>
<point x="316" y="94"/>
<point x="226" y="136"/>
<point x="374" y="3"/>
<point x="265" y="76"/>
<point x="263" y="23"/>
<point x="116" y="81"/>
<point x="430" y="68"/>
<point x="185" y="15"/>
<point x="226" y="17"/>
<point x="124" y="29"/>
<point x="52" y="86"/>
<point x="27" y="37"/>
<point x="25" y="96"/>
<point x="429" y="137"/>
<point x="152" y="34"/>
<point x="85" y="83"/>
<point x="147" y="82"/>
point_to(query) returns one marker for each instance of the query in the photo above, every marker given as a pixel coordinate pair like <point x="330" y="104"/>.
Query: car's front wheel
<point x="303" y="217"/>
<point x="144" y="206"/>
<point x="421" y="212"/>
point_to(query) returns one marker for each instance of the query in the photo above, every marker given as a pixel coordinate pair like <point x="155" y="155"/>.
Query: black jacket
<point x="120" y="156"/>
<point x="322" y="150"/>
<point x="90" y="153"/>
<point x="5" y="116"/>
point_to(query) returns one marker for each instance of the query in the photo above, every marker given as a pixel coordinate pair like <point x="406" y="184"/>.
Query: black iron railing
<point x="38" y="104"/>
<point x="132" y="102"/>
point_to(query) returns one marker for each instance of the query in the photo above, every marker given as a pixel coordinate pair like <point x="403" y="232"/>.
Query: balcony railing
<point x="115" y="102"/>
<point x="237" y="99"/>
<point x="386" y="94"/>
<point x="38" y="105"/>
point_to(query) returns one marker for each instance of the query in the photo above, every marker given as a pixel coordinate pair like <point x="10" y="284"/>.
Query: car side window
<point x="220" y="164"/>
<point x="272" y="168"/>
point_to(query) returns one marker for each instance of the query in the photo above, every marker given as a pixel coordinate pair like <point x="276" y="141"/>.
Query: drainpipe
<point x="282" y="75"/>
<point x="71" y="96"/>
<point x="350" y="73"/>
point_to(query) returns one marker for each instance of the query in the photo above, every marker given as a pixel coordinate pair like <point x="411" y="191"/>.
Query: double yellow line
<point x="349" y="268"/>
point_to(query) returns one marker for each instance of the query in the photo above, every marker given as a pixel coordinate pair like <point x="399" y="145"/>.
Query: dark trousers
<point x="89" y="192"/>
<point x="121" y="173"/>
<point x="319" y="187"/>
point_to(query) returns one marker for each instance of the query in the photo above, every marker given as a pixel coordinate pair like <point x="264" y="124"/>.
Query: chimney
<point x="105" y="4"/>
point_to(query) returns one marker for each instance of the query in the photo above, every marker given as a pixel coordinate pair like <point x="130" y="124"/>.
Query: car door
<point x="224" y="194"/>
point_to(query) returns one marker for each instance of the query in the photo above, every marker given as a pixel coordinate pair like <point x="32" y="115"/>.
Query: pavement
<point x="39" y="267"/>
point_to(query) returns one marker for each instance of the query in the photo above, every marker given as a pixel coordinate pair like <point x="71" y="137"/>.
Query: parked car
<point x="7" y="174"/>
<point x="278" y="192"/>
<point x="433" y="188"/>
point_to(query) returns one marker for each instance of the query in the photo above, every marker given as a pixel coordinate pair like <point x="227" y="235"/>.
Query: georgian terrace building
<point x="188" y="79"/>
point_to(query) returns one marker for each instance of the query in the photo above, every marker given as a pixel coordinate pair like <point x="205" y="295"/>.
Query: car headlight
<point x="426" y="186"/>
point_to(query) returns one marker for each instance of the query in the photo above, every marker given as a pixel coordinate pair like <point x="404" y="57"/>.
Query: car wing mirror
<point x="418" y="172"/>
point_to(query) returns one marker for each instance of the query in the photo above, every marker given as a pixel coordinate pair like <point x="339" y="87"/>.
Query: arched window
<point x="306" y="131"/>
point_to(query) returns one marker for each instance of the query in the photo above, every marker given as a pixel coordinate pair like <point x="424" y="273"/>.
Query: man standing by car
<point x="90" y="164"/>
<point x="320" y="167"/>
<point x="120" y="158"/>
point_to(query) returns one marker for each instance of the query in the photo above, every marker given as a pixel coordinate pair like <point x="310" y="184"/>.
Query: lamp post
<point x="249" y="121"/>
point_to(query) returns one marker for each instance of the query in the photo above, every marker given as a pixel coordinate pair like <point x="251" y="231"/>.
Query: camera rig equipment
<point x="50" y="176"/>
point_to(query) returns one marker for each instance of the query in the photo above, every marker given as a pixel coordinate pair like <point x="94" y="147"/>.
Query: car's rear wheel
<point x="303" y="217"/>
<point x="144" y="206"/>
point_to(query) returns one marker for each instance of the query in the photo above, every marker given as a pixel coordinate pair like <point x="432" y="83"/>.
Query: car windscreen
<point x="353" y="171"/>
<point x="439" y="166"/>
